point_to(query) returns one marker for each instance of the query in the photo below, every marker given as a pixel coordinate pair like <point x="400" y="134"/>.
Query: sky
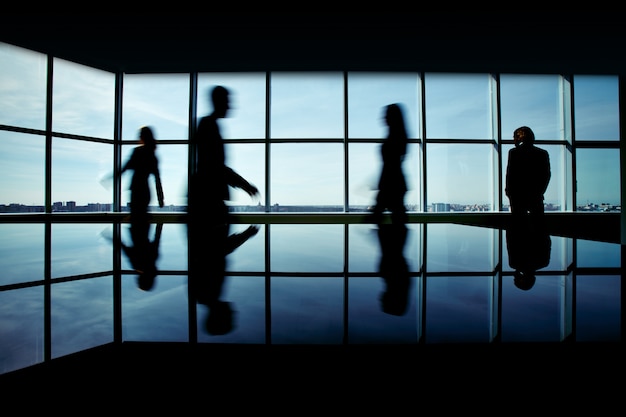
<point x="308" y="107"/>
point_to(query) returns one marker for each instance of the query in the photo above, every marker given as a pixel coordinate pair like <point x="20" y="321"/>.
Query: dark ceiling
<point x="470" y="41"/>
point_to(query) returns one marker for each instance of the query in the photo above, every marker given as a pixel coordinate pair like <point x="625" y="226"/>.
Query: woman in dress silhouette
<point x="392" y="184"/>
<point x="144" y="163"/>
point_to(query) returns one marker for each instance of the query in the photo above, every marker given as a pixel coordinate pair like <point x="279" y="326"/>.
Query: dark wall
<point x="460" y="41"/>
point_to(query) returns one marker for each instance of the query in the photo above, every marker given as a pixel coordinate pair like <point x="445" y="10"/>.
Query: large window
<point x="309" y="141"/>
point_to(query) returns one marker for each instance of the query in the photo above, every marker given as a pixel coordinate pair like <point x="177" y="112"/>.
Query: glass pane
<point x="157" y="100"/>
<point x="307" y="105"/>
<point x="369" y="93"/>
<point x="164" y="245"/>
<point x="250" y="256"/>
<point x="246" y="118"/>
<point x="21" y="253"/>
<point x="533" y="101"/>
<point x="172" y="247"/>
<point x="83" y="100"/>
<point x="23" y="88"/>
<point x="22" y="163"/>
<point x="22" y="329"/>
<point x="532" y="314"/>
<point x="82" y="315"/>
<point x="596" y="106"/>
<point x="554" y="197"/>
<point x="598" y="180"/>
<point x="365" y="248"/>
<point x="307" y="310"/>
<point x="79" y="249"/>
<point x="459" y="248"/>
<point x="460" y="177"/>
<point x="458" y="309"/>
<point x="365" y="165"/>
<point x="306" y="177"/>
<point x="307" y="248"/>
<point x="247" y="298"/>
<point x="367" y="323"/>
<point x="173" y="162"/>
<point x="248" y="160"/>
<point x="158" y="315"/>
<point x="458" y="106"/>
<point x="590" y="254"/>
<point x="598" y="308"/>
<point x="77" y="170"/>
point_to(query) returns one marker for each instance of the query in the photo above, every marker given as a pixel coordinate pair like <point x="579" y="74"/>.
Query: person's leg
<point x="379" y="207"/>
<point x="398" y="210"/>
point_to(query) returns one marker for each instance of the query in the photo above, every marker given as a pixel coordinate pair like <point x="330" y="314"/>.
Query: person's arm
<point x="157" y="180"/>
<point x="507" y="175"/>
<point x="547" y="172"/>
<point x="237" y="181"/>
<point x="159" y="190"/>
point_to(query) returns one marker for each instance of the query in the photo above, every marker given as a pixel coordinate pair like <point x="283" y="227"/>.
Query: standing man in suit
<point x="527" y="175"/>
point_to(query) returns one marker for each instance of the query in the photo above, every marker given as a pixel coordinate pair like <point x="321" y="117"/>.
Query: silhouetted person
<point x="392" y="184"/>
<point x="529" y="245"/>
<point x="394" y="268"/>
<point x="212" y="177"/>
<point x="208" y="223"/>
<point x="527" y="175"/>
<point x="144" y="163"/>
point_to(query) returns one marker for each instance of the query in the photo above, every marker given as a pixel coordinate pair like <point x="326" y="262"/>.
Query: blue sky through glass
<point x="302" y="107"/>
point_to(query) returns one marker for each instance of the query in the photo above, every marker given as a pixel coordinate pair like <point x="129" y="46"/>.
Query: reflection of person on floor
<point x="394" y="269"/>
<point x="207" y="273"/>
<point x="529" y="245"/>
<point x="143" y="253"/>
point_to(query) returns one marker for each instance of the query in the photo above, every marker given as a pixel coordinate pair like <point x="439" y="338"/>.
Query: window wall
<point x="308" y="141"/>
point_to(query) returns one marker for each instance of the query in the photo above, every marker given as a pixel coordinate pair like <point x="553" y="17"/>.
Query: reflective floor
<point x="291" y="285"/>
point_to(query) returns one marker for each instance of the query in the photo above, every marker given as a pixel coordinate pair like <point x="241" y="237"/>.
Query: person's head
<point x="146" y="136"/>
<point x="393" y="115"/>
<point x="220" y="100"/>
<point x="524" y="280"/>
<point x="523" y="135"/>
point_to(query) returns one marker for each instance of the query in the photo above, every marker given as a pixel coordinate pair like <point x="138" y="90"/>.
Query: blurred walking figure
<point x="212" y="178"/>
<point x="527" y="175"/>
<point x="208" y="228"/>
<point x="392" y="184"/>
<point x="144" y="163"/>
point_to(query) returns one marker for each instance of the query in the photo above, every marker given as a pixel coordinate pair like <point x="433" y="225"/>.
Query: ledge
<point x="598" y="226"/>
